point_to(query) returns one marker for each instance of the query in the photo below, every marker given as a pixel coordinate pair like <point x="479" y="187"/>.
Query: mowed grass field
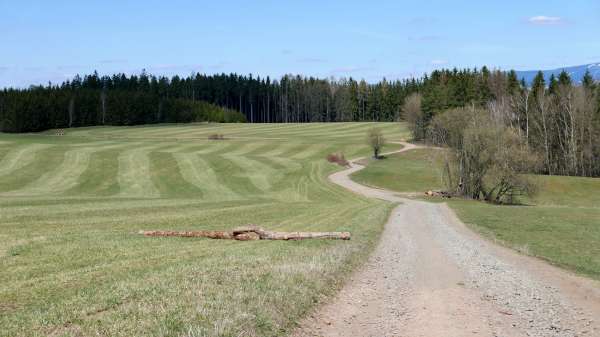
<point x="561" y="224"/>
<point x="72" y="263"/>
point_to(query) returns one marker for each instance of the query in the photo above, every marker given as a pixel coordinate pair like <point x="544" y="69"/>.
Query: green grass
<point x="412" y="171"/>
<point x="73" y="264"/>
<point x="561" y="224"/>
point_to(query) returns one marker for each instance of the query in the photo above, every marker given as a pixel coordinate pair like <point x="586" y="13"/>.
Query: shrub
<point x="487" y="159"/>
<point x="338" y="158"/>
<point x="216" y="136"/>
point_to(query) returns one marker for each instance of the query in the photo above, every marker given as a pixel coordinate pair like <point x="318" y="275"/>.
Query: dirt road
<point x="430" y="276"/>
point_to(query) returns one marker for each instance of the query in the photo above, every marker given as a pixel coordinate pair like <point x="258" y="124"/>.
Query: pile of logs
<point x="251" y="232"/>
<point x="442" y="194"/>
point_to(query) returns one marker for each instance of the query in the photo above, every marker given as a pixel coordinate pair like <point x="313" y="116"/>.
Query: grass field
<point x="412" y="171"/>
<point x="72" y="263"/>
<point x="561" y="224"/>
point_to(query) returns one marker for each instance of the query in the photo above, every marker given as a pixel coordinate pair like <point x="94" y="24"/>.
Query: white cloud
<point x="545" y="20"/>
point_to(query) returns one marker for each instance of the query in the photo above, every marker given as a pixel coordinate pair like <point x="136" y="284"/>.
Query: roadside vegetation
<point x="561" y="223"/>
<point x="483" y="159"/>
<point x="557" y="121"/>
<point x="73" y="264"/>
<point x="500" y="148"/>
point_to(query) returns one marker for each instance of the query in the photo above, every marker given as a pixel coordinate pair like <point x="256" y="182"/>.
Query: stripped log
<point x="191" y="234"/>
<point x="252" y="232"/>
<point x="270" y="235"/>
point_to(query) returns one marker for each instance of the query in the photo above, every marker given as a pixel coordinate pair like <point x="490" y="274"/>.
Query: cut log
<point x="271" y="235"/>
<point x="250" y="236"/>
<point x="191" y="234"/>
<point x="252" y="232"/>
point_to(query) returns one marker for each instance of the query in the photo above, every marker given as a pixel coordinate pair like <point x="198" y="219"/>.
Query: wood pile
<point x="442" y="194"/>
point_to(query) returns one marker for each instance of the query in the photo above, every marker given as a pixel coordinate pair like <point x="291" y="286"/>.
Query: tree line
<point x="94" y="100"/>
<point x="123" y="99"/>
<point x="499" y="128"/>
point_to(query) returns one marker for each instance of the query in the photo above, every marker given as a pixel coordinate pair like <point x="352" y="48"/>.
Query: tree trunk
<point x="103" y="99"/>
<point x="71" y="111"/>
<point x="251" y="232"/>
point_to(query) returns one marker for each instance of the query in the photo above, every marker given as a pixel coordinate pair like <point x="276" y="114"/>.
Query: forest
<point x="559" y="120"/>
<point x="145" y="99"/>
<point x="501" y="128"/>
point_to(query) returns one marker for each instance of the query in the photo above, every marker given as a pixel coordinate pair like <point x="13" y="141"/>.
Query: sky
<point x="46" y="41"/>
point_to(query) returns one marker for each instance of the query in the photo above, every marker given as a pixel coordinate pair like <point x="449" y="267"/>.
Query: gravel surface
<point x="539" y="307"/>
<point x="430" y="276"/>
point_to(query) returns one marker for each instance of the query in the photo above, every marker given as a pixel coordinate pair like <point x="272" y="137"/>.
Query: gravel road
<point x="430" y="276"/>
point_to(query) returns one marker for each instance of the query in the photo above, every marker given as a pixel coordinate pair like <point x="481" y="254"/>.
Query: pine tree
<point x="588" y="81"/>
<point x="552" y="84"/>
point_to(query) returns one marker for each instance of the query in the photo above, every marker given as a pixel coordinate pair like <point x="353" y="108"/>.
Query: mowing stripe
<point x="198" y="173"/>
<point x="20" y="157"/>
<point x="62" y="178"/>
<point x="244" y="148"/>
<point x="44" y="161"/>
<point x="283" y="163"/>
<point x="216" y="146"/>
<point x="97" y="143"/>
<point x="3" y="151"/>
<point x="280" y="149"/>
<point x="260" y="174"/>
<point x="309" y="130"/>
<point x="190" y="146"/>
<point x="310" y="151"/>
<point x="134" y="174"/>
<point x="66" y="175"/>
<point x="231" y="175"/>
<point x="100" y="179"/>
<point x="167" y="177"/>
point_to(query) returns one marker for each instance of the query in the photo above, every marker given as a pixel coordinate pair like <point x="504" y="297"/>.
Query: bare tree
<point x="413" y="115"/>
<point x="487" y="158"/>
<point x="376" y="140"/>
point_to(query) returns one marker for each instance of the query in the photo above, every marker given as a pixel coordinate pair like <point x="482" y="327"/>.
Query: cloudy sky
<point x="53" y="40"/>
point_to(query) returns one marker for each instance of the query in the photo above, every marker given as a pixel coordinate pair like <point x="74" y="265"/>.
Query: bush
<point x="338" y="158"/>
<point x="216" y="136"/>
<point x="488" y="159"/>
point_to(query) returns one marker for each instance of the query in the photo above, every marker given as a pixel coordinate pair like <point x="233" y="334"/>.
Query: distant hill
<point x="576" y="73"/>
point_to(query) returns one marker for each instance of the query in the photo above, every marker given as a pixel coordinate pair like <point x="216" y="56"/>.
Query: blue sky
<point x="52" y="40"/>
